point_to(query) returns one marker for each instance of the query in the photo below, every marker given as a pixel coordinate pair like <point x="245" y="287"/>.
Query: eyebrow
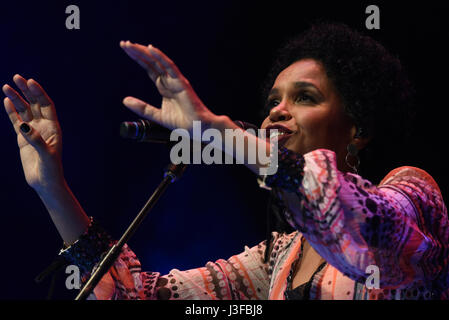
<point x="298" y="85"/>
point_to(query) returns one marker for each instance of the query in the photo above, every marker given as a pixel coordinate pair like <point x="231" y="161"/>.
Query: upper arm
<point x="243" y="276"/>
<point x="353" y="224"/>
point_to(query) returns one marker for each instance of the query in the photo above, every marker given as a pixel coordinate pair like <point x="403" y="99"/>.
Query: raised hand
<point x="38" y="132"/>
<point x="180" y="104"/>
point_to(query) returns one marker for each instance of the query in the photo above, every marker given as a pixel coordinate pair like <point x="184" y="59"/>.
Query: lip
<point x="278" y="127"/>
<point x="280" y="139"/>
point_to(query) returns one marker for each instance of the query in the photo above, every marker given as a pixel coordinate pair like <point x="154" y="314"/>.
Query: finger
<point x="12" y="114"/>
<point x="136" y="56"/>
<point x="143" y="51"/>
<point x="140" y="52"/>
<point x="22" y="83"/>
<point x="143" y="109"/>
<point x="19" y="104"/>
<point x="143" y="59"/>
<point x="46" y="105"/>
<point x="33" y="137"/>
<point x="169" y="66"/>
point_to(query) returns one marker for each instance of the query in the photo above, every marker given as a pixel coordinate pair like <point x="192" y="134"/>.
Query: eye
<point x="272" y="103"/>
<point x="304" y="97"/>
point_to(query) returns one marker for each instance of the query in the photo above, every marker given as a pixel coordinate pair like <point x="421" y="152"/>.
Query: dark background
<point x="225" y="49"/>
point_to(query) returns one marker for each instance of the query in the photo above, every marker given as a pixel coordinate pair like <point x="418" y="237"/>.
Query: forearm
<point x="65" y="211"/>
<point x="254" y="152"/>
<point x="354" y="224"/>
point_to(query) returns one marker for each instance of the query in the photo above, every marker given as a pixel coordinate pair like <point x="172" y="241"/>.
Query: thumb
<point x="143" y="109"/>
<point x="33" y="137"/>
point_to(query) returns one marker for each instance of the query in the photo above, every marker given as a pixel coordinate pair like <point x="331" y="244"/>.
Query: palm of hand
<point x="180" y="105"/>
<point x="36" y="173"/>
<point x="41" y="145"/>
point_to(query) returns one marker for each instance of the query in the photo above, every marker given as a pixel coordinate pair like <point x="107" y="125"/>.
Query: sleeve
<point x="401" y="226"/>
<point x="241" y="277"/>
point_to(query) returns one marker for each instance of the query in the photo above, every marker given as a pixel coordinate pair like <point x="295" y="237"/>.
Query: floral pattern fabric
<point x="400" y="227"/>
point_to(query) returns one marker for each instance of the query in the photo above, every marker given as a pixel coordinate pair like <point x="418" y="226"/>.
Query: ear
<point x="359" y="138"/>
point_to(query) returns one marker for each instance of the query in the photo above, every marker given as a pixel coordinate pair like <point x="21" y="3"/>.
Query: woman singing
<point x="342" y="105"/>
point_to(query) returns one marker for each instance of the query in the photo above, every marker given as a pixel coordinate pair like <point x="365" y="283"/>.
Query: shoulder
<point x="412" y="175"/>
<point x="415" y="181"/>
<point x="282" y="238"/>
<point x="419" y="186"/>
<point x="281" y="241"/>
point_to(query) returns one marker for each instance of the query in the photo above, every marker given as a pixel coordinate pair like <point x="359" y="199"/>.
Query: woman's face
<point x="307" y="108"/>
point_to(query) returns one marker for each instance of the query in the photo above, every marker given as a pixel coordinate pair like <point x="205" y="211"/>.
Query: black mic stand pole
<point x="173" y="172"/>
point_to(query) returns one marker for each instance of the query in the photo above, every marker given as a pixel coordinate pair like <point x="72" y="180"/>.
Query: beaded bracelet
<point x="86" y="252"/>
<point x="289" y="173"/>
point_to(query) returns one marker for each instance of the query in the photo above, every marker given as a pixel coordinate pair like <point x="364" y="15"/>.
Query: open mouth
<point x="278" y="133"/>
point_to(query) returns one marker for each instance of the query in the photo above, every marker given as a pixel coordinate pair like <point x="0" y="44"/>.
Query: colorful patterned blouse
<point x="380" y="242"/>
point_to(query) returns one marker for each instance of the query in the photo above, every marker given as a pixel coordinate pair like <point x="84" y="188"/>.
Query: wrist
<point x="56" y="187"/>
<point x="64" y="209"/>
<point x="222" y="122"/>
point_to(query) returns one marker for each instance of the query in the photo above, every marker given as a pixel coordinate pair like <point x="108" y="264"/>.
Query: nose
<point x="279" y="113"/>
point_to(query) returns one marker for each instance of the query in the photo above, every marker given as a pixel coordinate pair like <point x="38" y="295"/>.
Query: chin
<point x="291" y="146"/>
<point x="289" y="143"/>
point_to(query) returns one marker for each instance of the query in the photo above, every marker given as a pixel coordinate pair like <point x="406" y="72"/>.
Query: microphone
<point x="149" y="131"/>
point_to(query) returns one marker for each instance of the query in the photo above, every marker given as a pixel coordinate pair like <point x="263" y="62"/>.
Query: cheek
<point x="311" y="121"/>
<point x="265" y="123"/>
<point x="323" y="130"/>
<point x="310" y="134"/>
<point x="318" y="128"/>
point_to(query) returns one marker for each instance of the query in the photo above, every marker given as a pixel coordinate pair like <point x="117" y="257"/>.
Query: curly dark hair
<point x="374" y="88"/>
<point x="371" y="82"/>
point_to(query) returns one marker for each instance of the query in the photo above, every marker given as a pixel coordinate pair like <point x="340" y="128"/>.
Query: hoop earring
<point x="352" y="152"/>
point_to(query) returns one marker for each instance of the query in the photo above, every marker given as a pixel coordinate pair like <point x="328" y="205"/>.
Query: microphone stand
<point x="172" y="173"/>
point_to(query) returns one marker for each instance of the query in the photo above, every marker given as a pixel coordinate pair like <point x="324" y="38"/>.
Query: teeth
<point x="274" y="134"/>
